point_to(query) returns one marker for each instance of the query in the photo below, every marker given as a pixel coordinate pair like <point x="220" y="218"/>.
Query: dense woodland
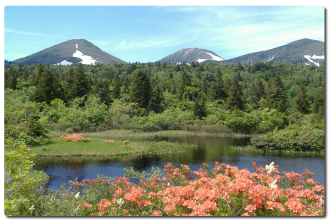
<point x="247" y="99"/>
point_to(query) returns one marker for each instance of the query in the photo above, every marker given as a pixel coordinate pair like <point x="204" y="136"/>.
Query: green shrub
<point x="292" y="138"/>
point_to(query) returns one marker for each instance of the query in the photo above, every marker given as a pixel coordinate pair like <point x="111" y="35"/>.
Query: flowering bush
<point x="223" y="191"/>
<point x="74" y="138"/>
<point x="127" y="143"/>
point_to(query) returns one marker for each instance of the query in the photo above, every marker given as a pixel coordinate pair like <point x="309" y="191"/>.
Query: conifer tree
<point x="276" y="94"/>
<point x="319" y="104"/>
<point x="48" y="87"/>
<point x="185" y="81"/>
<point x="140" y="90"/>
<point x="301" y="103"/>
<point x="256" y="93"/>
<point x="235" y="98"/>
<point x="200" y="107"/>
<point x="103" y="92"/>
<point x="116" y="90"/>
<point x="156" y="98"/>
<point x="217" y="90"/>
<point x="76" y="83"/>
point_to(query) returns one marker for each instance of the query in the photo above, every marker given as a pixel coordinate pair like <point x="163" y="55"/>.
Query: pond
<point x="208" y="150"/>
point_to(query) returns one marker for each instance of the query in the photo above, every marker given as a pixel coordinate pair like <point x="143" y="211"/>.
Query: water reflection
<point x="208" y="150"/>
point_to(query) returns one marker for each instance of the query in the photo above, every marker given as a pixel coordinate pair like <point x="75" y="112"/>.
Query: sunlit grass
<point x="107" y="147"/>
<point x="253" y="149"/>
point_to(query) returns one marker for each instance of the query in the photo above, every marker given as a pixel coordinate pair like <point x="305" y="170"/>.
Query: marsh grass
<point x="253" y="149"/>
<point x="98" y="147"/>
<point x="202" y="130"/>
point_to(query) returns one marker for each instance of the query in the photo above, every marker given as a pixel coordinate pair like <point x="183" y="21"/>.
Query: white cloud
<point x="241" y="30"/>
<point x="27" y="33"/>
<point x="123" y="42"/>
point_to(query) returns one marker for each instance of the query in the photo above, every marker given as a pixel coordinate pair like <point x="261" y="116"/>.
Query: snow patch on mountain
<point x="199" y="60"/>
<point x="213" y="58"/>
<point x="85" y="58"/>
<point x="216" y="58"/>
<point x="270" y="59"/>
<point x="64" y="62"/>
<point x="309" y="58"/>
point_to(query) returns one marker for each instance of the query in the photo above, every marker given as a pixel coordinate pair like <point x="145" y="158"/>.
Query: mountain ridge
<point x="190" y="55"/>
<point x="295" y="52"/>
<point x="303" y="51"/>
<point x="71" y="52"/>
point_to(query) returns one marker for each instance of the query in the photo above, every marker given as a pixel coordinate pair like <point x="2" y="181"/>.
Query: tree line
<point x="200" y="89"/>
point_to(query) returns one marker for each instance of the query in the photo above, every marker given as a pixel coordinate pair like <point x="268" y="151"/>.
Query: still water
<point x="208" y="150"/>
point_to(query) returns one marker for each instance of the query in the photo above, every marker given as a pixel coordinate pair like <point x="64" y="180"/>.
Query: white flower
<point x="31" y="208"/>
<point x="273" y="184"/>
<point x="270" y="168"/>
<point x="77" y="195"/>
<point x="120" y="201"/>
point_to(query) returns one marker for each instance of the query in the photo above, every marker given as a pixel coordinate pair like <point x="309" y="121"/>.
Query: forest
<point x="278" y="102"/>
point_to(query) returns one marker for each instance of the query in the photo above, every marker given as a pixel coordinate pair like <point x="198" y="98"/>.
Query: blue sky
<point x="143" y="33"/>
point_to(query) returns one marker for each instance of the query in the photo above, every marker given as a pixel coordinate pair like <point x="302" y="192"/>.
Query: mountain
<point x="190" y="55"/>
<point x="304" y="51"/>
<point x="71" y="52"/>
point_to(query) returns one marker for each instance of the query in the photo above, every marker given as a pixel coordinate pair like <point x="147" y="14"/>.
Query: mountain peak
<point x="192" y="54"/>
<point x="71" y="52"/>
<point x="304" y="51"/>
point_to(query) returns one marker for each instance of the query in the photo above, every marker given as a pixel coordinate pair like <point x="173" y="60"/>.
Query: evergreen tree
<point x="185" y="81"/>
<point x="13" y="82"/>
<point x="319" y="102"/>
<point x="76" y="83"/>
<point x="276" y="94"/>
<point x="68" y="83"/>
<point x="156" y="98"/>
<point x="116" y="90"/>
<point x="219" y="74"/>
<point x="256" y="93"/>
<point x="235" y="98"/>
<point x="140" y="91"/>
<point x="35" y="80"/>
<point x="48" y="88"/>
<point x="103" y="92"/>
<point x="217" y="90"/>
<point x="301" y="103"/>
<point x="200" y="107"/>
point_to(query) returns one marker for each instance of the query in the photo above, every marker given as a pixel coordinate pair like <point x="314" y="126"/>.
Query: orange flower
<point x="169" y="208"/>
<point x="250" y="208"/>
<point x="155" y="213"/>
<point x="295" y="205"/>
<point x="85" y="205"/>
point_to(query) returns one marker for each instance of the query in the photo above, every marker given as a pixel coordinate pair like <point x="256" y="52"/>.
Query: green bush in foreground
<point x="19" y="186"/>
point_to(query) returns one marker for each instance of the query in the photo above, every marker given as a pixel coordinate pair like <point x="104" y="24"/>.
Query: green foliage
<point x="140" y="89"/>
<point x="257" y="92"/>
<point x="103" y="93"/>
<point x="177" y="96"/>
<point x="19" y="187"/>
<point x="48" y="87"/>
<point x="292" y="138"/>
<point x="276" y="94"/>
<point x="185" y="81"/>
<point x="301" y="102"/>
<point x="235" y="98"/>
<point x="34" y="128"/>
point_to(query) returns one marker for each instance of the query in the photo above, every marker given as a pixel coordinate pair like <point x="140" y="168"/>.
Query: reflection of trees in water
<point x="46" y="163"/>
